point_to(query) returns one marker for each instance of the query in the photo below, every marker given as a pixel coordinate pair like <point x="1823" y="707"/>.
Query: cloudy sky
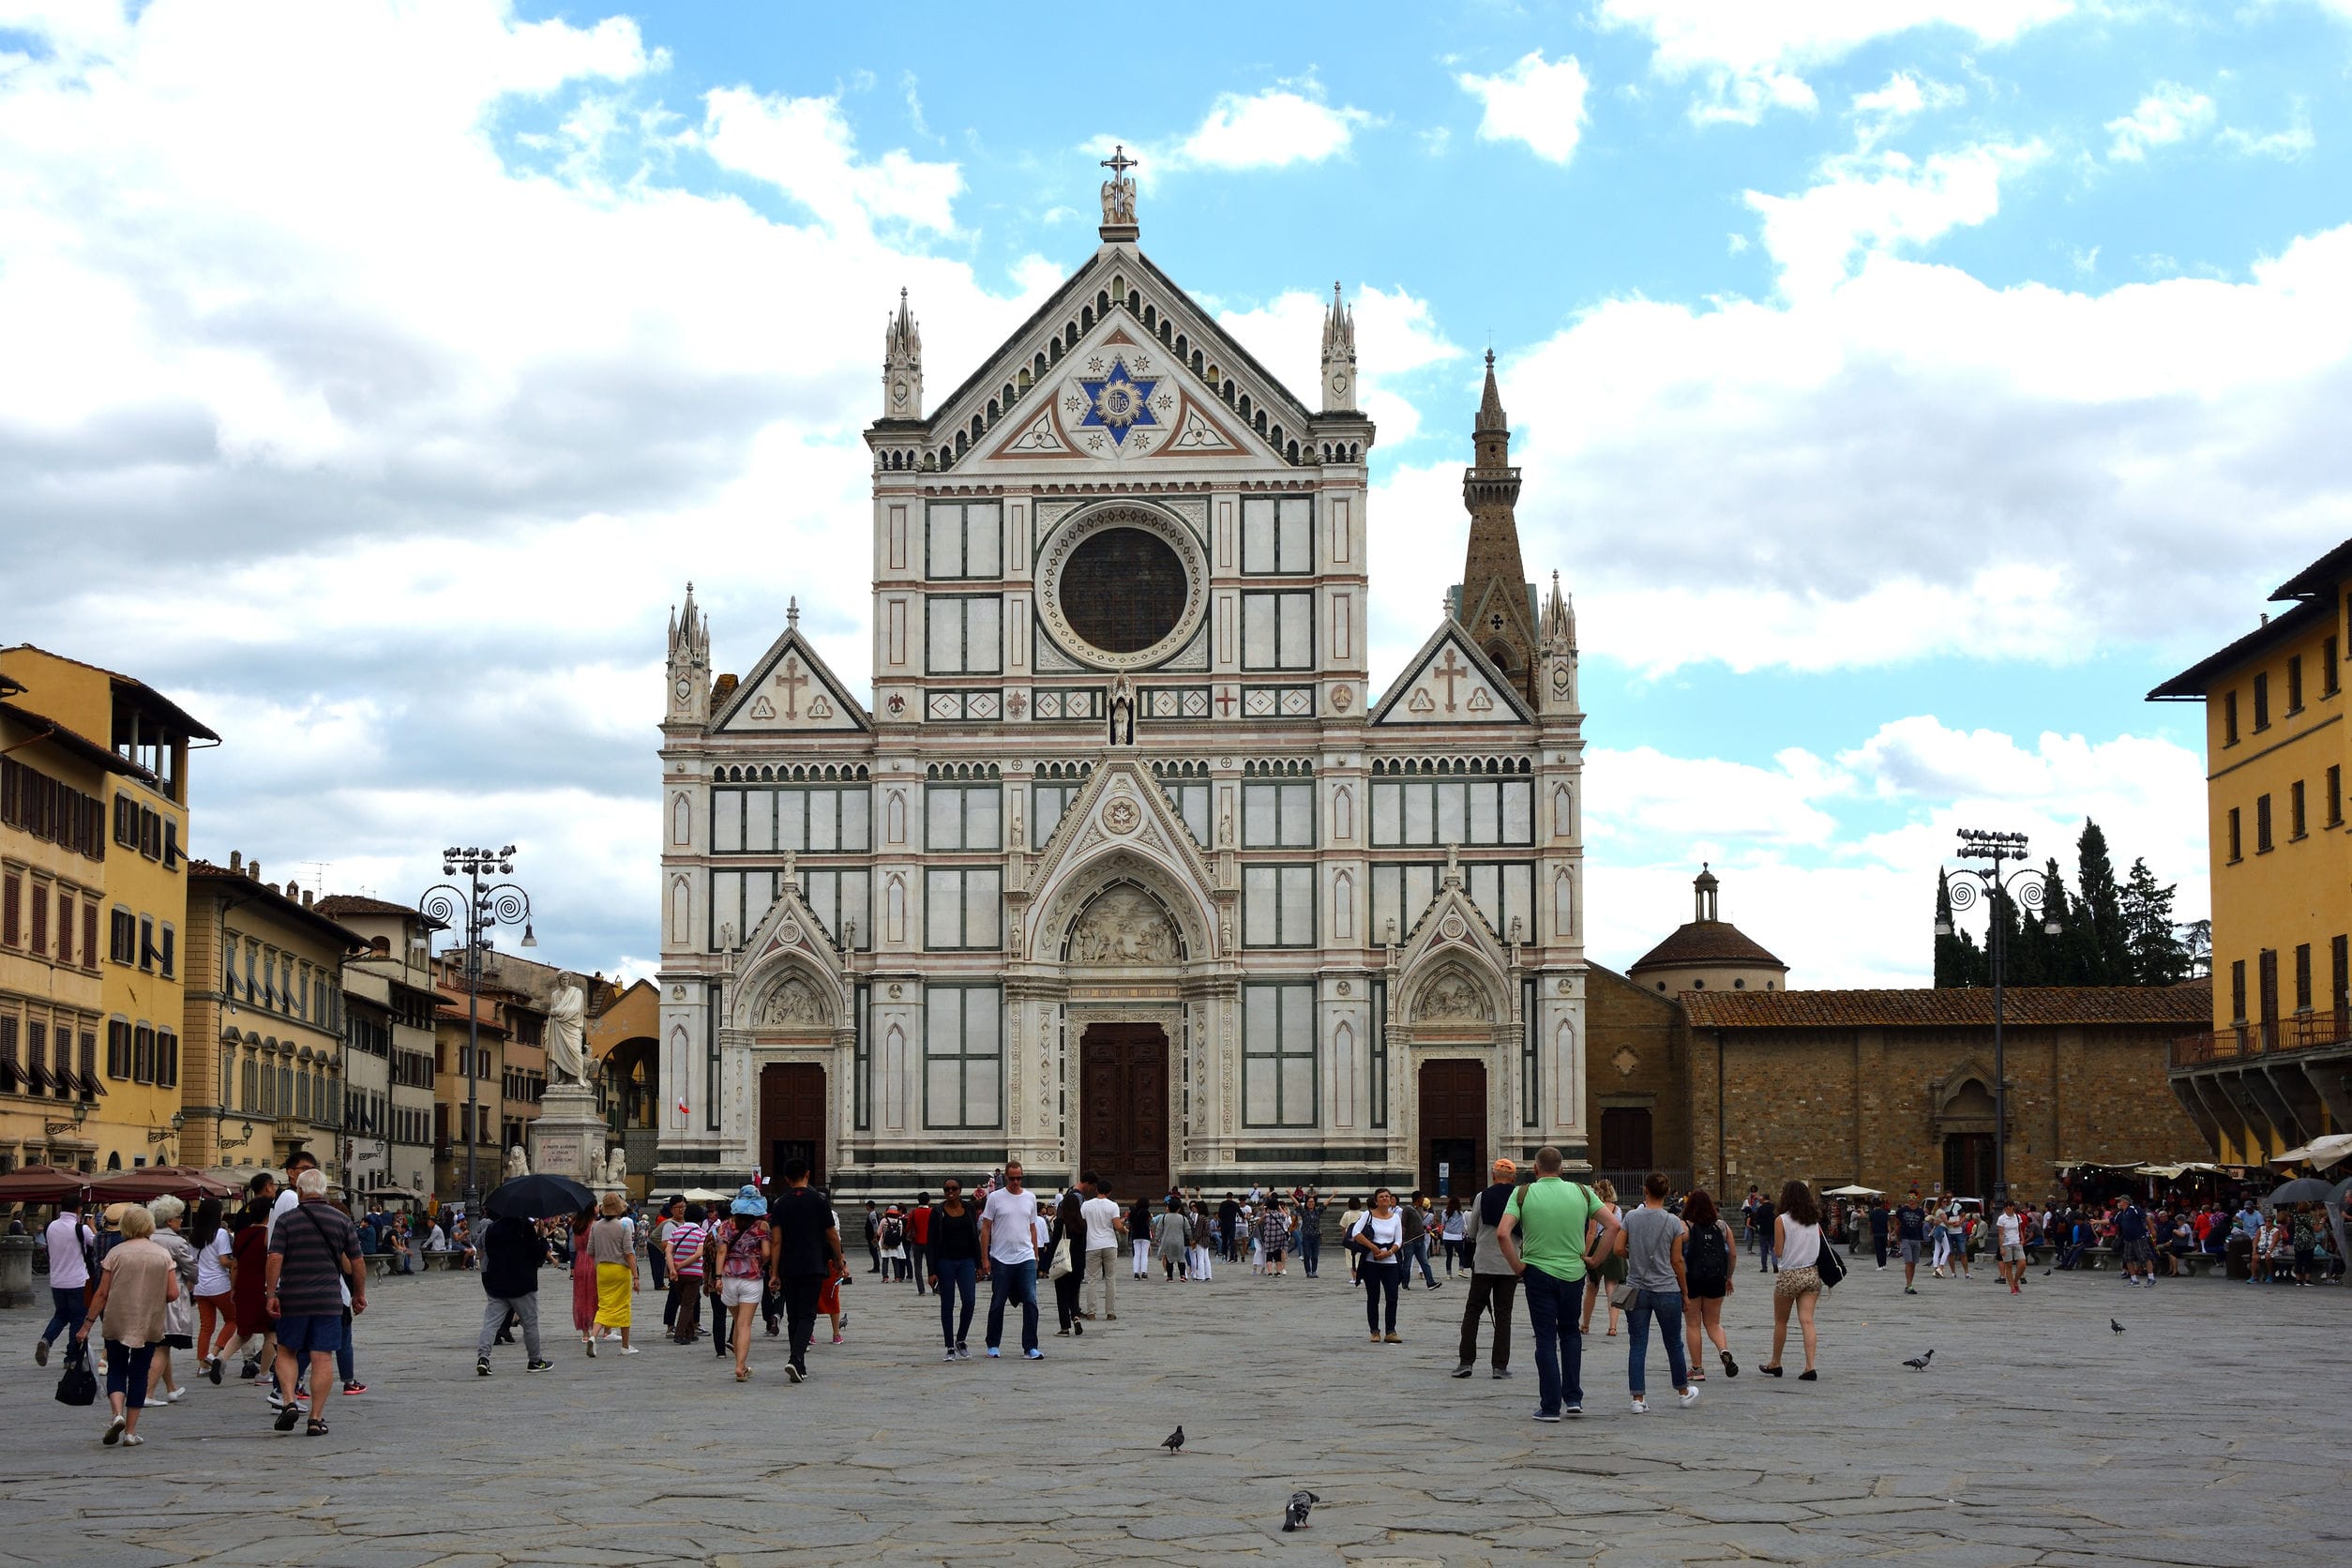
<point x="1904" y="387"/>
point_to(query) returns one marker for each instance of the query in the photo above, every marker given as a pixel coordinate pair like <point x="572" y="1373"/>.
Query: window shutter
<point x="8" y="1068"/>
<point x="41" y="922"/>
<point x="89" y="935"/>
<point x="118" y="1049"/>
<point x="35" y="1054"/>
<point x="167" y="1071"/>
<point x="11" y="894"/>
<point x="90" y="1084"/>
<point x="170" y="941"/>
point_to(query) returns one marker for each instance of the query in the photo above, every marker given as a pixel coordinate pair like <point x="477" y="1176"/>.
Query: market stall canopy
<point x="705" y="1195"/>
<point x="1854" y="1192"/>
<point x="2334" y="1149"/>
<point x="43" y="1183"/>
<point x="162" y="1181"/>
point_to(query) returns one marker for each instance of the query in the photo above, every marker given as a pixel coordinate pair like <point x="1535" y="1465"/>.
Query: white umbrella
<point x="2334" y="1149"/>
<point x="1853" y="1192"/>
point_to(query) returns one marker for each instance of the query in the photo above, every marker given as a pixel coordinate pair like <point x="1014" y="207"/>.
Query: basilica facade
<point x="1126" y="863"/>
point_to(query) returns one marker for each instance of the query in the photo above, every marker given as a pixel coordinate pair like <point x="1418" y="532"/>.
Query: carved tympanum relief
<point x="1125" y="926"/>
<point x="1453" y="995"/>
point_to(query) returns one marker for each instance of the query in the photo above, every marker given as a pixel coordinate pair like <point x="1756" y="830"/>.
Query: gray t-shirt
<point x="1650" y="1248"/>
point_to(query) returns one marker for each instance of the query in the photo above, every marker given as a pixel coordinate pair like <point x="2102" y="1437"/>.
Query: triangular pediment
<point x="1453" y="970"/>
<point x="789" y="689"/>
<point x="1451" y="682"/>
<point x="1123" y="818"/>
<point x="1041" y="396"/>
<point x="789" y="947"/>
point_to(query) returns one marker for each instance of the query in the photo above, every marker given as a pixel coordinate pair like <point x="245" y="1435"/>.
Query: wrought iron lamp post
<point x="2025" y="890"/>
<point x="479" y="907"/>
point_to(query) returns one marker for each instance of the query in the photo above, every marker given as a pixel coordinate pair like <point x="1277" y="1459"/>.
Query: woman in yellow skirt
<point x="614" y="1251"/>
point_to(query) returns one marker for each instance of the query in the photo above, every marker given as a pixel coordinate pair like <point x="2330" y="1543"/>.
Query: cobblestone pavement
<point x="2210" y="1432"/>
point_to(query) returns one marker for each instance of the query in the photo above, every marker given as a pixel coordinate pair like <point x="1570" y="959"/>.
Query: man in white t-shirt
<point x="2010" y="1235"/>
<point x="1105" y="1224"/>
<point x="68" y="1238"/>
<point x="1008" y="1258"/>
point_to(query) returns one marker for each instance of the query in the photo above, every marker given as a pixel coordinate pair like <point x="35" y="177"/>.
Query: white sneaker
<point x="630" y="1350"/>
<point x="1690" y="1398"/>
<point x="1641" y="1406"/>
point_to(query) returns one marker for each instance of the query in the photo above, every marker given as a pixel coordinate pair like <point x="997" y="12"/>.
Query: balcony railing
<point x="2296" y="1031"/>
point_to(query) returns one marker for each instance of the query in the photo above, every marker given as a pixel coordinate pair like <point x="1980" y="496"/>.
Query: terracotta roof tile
<point x="2184" y="1006"/>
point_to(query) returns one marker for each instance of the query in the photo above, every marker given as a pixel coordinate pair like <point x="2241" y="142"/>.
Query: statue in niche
<point x="1124" y="926"/>
<point x="795" y="1003"/>
<point x="1452" y="995"/>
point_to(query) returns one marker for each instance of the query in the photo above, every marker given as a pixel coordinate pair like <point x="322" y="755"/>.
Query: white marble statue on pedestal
<point x="518" y="1163"/>
<point x="567" y="1056"/>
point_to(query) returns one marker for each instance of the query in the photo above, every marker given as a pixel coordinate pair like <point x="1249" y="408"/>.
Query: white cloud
<point x="1748" y="59"/>
<point x="1534" y="101"/>
<point x="1812" y="868"/>
<point x="1879" y="203"/>
<point x="2170" y="112"/>
<point x="1269" y="129"/>
<point x="806" y="149"/>
<point x="2285" y="145"/>
<point x="1396" y="336"/>
<point x="1881" y="111"/>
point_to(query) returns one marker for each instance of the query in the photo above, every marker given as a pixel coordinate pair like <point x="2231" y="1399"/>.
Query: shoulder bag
<point x="1827" y="1265"/>
<point x="77" y="1384"/>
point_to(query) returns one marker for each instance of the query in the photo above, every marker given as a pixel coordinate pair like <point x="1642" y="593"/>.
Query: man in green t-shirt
<point x="1552" y="1230"/>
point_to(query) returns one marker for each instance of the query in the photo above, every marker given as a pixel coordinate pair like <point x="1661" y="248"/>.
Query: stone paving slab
<point x="2041" y="1439"/>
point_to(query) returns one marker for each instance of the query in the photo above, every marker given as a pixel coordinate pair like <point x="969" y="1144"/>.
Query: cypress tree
<point x="2105" y="948"/>
<point x="1955" y="953"/>
<point x="2159" y="955"/>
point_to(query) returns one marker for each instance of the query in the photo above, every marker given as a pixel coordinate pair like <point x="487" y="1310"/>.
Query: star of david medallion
<point x="1117" y="401"/>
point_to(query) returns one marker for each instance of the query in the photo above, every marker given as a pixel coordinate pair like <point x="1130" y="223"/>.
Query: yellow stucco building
<point x="2272" y="1072"/>
<point x="116" y="916"/>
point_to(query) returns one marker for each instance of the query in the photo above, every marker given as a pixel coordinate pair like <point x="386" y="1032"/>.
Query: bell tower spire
<point x="902" y="365"/>
<point x="1339" y="358"/>
<point x="689" y="664"/>
<point x="1495" y="602"/>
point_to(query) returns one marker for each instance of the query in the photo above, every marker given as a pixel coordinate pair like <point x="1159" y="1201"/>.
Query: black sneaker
<point x="792" y="1373"/>
<point x="1463" y="1370"/>
<point x="249" y="1371"/>
<point x="542" y="1364"/>
<point x="211" y="1370"/>
<point x="1501" y="1373"/>
<point x="481" y="1367"/>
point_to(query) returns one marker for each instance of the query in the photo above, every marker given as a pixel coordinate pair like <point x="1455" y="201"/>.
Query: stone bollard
<point x="16" y="1270"/>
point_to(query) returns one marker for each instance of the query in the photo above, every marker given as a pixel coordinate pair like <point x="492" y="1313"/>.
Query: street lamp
<point x="478" y="908"/>
<point x="2025" y="890"/>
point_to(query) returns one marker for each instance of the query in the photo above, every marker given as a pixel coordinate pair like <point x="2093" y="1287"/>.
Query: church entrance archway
<point x="1453" y="1126"/>
<point x="793" y="1118"/>
<point x="1123" y="1107"/>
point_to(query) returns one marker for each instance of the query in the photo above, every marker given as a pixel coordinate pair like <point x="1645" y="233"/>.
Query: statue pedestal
<point x="16" y="1270"/>
<point x="568" y="1138"/>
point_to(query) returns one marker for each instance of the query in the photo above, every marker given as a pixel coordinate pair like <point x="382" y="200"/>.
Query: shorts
<point x="1792" y="1283"/>
<point x="739" y="1292"/>
<point x="179" y="1341"/>
<point x="2012" y="1254"/>
<point x="318" y="1334"/>
<point x="1910" y="1251"/>
<point x="2137" y="1251"/>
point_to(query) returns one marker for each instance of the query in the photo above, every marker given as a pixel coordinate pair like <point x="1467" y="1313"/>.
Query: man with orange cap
<point x="1492" y="1279"/>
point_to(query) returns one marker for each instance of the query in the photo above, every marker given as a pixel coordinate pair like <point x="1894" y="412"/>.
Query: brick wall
<point x="1637" y="1054"/>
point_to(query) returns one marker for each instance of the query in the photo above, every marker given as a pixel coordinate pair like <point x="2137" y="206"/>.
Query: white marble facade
<point x="1123" y="768"/>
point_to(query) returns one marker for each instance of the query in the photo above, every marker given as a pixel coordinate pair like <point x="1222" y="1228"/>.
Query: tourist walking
<point x="1274" y="1232"/>
<point x="742" y="1250"/>
<point x="1104" y="1225"/>
<point x="873" y="1235"/>
<point x="1654" y="1267"/>
<point x="1308" y="1237"/>
<point x="137" y="1284"/>
<point x="1611" y="1270"/>
<point x="249" y="1284"/>
<point x="1450" y="1233"/>
<point x="585" y="1278"/>
<point x="1910" y="1234"/>
<point x="1351" y="1221"/>
<point x="894" y="1244"/>
<point x="657" y="1254"/>
<point x="2010" y="1234"/>
<point x="313" y="1249"/>
<point x="1140" y="1233"/>
<point x="1379" y="1238"/>
<point x="1708" y="1255"/>
<point x="2132" y="1246"/>
<point x="1493" y="1284"/>
<point x="688" y="1239"/>
<point x="919" y="1240"/>
<point x="70" y="1243"/>
<point x="1202" y="1227"/>
<point x="808" y="1243"/>
<point x="955" y="1260"/>
<point x="612" y="1253"/>
<point x="1008" y="1256"/>
<point x="179" y="1317"/>
<point x="1416" y="1217"/>
<point x="1878" y="1218"/>
<point x="1066" y="1250"/>
<point x="215" y="1287"/>
<point x="1797" y="1237"/>
<point x="1553" y="1233"/>
<point x="512" y="1251"/>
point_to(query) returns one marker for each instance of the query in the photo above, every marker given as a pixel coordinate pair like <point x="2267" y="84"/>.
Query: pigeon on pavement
<point x="2113" y="1324"/>
<point x="1919" y="1364"/>
<point x="1175" y="1440"/>
<point x="1294" y="1516"/>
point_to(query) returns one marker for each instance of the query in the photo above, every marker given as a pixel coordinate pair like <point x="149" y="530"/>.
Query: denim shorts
<point x="318" y="1334"/>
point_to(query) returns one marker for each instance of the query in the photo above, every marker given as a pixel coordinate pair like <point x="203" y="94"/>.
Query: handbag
<point x="1828" y="1267"/>
<point x="77" y="1384"/>
<point x="1061" y="1264"/>
<point x="1623" y="1294"/>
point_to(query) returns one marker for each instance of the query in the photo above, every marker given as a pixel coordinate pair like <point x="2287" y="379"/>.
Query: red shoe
<point x="355" y="1386"/>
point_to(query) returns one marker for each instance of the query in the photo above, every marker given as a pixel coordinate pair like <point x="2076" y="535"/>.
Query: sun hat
<point x="748" y="1201"/>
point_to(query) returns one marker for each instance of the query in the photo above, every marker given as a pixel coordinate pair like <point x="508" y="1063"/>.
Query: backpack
<point x="891" y="1232"/>
<point x="1706" y="1259"/>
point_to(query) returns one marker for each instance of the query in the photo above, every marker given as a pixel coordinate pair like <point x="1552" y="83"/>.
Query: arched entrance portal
<point x="1122" y="1107"/>
<point x="1453" y="1126"/>
<point x="793" y="1118"/>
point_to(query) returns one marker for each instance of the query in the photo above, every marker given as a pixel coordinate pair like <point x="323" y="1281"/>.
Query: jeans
<point x="1418" y="1253"/>
<point x="527" y="1311"/>
<point x="1066" y="1300"/>
<point x="1666" y="1305"/>
<point x="1762" y="1237"/>
<point x="1878" y="1246"/>
<point x="660" y="1260"/>
<point x="68" y="1308"/>
<point x="126" y="1373"/>
<point x="1552" y="1305"/>
<point x="919" y="1257"/>
<point x="344" y="1353"/>
<point x="1310" y="1248"/>
<point x="957" y="1277"/>
<point x="1380" y="1282"/>
<point x="1485" y="1288"/>
<point x="799" y="1291"/>
<point x="1098" y="1275"/>
<point x="1018" y="1282"/>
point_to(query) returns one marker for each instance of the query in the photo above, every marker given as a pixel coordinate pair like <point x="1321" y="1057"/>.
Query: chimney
<point x="255" y="871"/>
<point x="236" y="860"/>
<point x="305" y="898"/>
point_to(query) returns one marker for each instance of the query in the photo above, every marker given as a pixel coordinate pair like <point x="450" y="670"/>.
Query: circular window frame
<point x="1076" y="531"/>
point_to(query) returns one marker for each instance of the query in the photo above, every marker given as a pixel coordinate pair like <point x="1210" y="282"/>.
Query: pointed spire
<point x="1339" y="354"/>
<point x="902" y="364"/>
<point x="791" y="613"/>
<point x="1490" y="414"/>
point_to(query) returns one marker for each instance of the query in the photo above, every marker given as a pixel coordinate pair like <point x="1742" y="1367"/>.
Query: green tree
<point x="2159" y="955"/>
<point x="2036" y="958"/>
<point x="2104" y="945"/>
<point x="1956" y="956"/>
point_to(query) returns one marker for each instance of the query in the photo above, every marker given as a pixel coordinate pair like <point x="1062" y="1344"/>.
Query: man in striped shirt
<point x="686" y="1275"/>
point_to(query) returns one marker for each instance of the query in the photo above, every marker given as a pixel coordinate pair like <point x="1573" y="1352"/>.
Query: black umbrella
<point x="539" y="1196"/>
<point x="2303" y="1189"/>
